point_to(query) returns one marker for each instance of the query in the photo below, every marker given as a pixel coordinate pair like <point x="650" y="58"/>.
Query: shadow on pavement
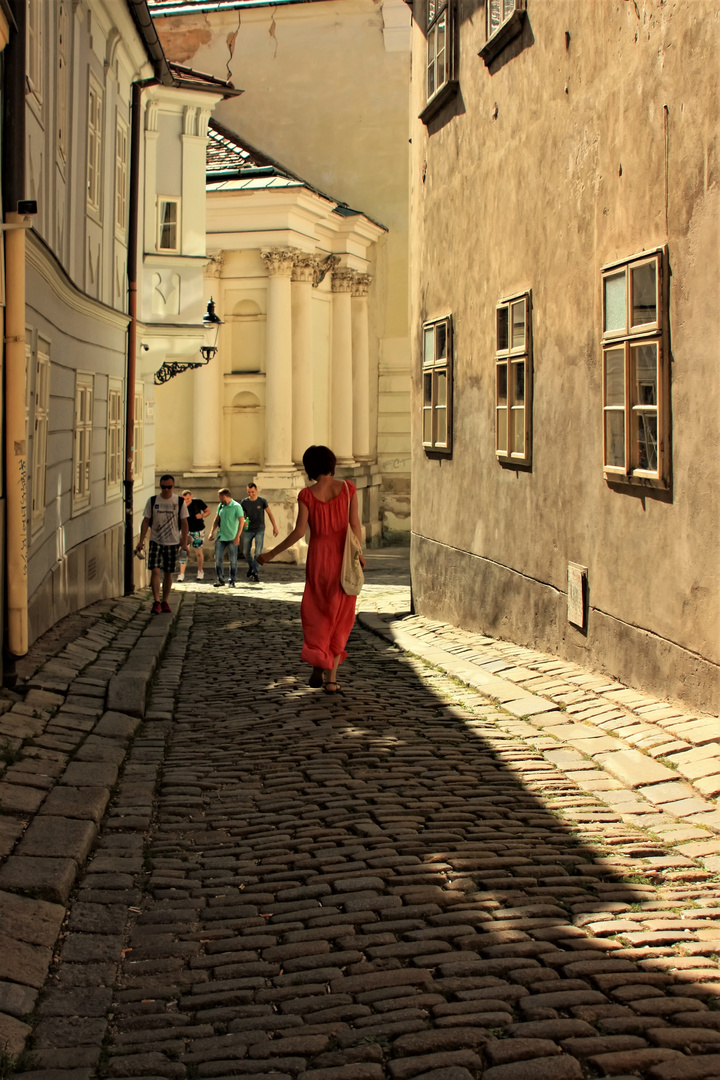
<point x="388" y="884"/>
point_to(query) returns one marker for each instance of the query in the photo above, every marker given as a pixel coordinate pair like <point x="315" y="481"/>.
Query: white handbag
<point x="351" y="573"/>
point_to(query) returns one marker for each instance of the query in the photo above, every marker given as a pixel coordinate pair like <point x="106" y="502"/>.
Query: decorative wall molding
<point x="190" y="120"/>
<point x="152" y="115"/>
<point x="279" y="261"/>
<point x="304" y="267"/>
<point x="44" y="263"/>
<point x="343" y="281"/>
<point x="361" y="284"/>
<point x="324" y="267"/>
<point x="215" y="265"/>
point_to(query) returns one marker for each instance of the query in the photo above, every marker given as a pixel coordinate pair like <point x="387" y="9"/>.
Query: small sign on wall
<point x="577" y="594"/>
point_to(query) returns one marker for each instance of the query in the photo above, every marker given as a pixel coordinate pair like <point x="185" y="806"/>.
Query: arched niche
<point x="247" y="430"/>
<point x="248" y="337"/>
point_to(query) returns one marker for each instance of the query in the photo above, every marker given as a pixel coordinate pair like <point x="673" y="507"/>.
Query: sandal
<point x="316" y="679"/>
<point x="337" y="689"/>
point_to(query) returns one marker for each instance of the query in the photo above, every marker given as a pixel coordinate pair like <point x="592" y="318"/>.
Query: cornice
<point x="42" y="260"/>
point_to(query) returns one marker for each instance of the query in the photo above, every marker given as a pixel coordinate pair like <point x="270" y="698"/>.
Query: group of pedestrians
<point x="328" y="508"/>
<point x="177" y="523"/>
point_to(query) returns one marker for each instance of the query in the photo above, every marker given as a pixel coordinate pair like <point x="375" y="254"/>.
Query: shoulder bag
<point x="351" y="573"/>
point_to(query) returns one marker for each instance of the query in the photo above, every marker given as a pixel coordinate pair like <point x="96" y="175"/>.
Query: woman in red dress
<point x="326" y="612"/>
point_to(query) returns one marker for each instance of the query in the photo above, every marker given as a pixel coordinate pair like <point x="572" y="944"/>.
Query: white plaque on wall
<point x="577" y="577"/>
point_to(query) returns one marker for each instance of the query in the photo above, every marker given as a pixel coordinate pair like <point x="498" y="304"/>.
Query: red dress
<point x="327" y="613"/>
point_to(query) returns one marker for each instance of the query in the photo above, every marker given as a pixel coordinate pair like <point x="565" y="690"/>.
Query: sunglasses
<point x="167" y="487"/>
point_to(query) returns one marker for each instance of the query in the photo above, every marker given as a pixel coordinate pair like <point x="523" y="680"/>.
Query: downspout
<point x="132" y="256"/>
<point x="16" y="461"/>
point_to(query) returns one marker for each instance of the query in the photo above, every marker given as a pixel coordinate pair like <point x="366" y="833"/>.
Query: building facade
<point x="290" y="273"/>
<point x="565" y="266"/>
<point x="343" y="152"/>
<point x="80" y="80"/>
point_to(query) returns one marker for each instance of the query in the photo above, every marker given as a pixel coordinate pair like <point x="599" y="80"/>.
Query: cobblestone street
<point x="416" y="879"/>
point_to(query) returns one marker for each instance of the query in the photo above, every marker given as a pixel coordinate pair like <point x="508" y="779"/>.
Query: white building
<point x="325" y="92"/>
<point x="80" y="79"/>
<point x="291" y="272"/>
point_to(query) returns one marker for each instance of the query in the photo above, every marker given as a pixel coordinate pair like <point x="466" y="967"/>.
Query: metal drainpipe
<point x="134" y="214"/>
<point x="16" y="462"/>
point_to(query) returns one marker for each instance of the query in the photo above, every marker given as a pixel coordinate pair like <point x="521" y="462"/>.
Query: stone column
<point x="207" y="387"/>
<point x="341" y="419"/>
<point x="278" y="371"/>
<point x="303" y="428"/>
<point x="361" y="369"/>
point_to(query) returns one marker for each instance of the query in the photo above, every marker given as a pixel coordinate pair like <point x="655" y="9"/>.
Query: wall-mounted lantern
<point x="211" y="327"/>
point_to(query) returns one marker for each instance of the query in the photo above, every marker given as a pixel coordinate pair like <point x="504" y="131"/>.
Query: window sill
<point x="437" y="452"/>
<point x="636" y="481"/>
<point x="513" y="462"/>
<point x="502" y="37"/>
<point x="445" y="94"/>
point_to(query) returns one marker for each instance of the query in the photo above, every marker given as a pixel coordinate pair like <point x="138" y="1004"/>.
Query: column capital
<point x="361" y="284"/>
<point x="214" y="266"/>
<point x="304" y="266"/>
<point x="278" y="261"/>
<point x="342" y="281"/>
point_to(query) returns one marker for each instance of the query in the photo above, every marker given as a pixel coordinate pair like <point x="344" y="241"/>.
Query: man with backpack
<point x="166" y="516"/>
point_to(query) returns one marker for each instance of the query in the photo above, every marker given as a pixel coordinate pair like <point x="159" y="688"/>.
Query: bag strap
<point x="347" y="489"/>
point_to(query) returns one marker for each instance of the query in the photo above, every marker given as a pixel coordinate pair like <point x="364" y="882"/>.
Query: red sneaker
<point x="165" y="607"/>
<point x="156" y="608"/>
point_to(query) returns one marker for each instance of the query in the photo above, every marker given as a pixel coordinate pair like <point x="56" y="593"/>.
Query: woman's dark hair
<point x="319" y="461"/>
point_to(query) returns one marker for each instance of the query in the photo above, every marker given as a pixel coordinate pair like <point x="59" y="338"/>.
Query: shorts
<point x="197" y="539"/>
<point x="162" y="557"/>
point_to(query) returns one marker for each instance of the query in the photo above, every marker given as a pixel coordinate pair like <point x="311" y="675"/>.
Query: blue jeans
<point x="258" y="535"/>
<point x="232" y="550"/>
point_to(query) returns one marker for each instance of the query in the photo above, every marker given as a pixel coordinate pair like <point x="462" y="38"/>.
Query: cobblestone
<point x="410" y="880"/>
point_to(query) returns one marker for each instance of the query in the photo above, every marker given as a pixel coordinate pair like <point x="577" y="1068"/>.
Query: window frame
<point x="41" y="414"/>
<point x="83" y="441"/>
<point x="62" y="102"/>
<point x="438" y="366"/>
<point x="114" y="450"/>
<point x="512" y="356"/>
<point x="165" y="200"/>
<point x="506" y="31"/>
<point x="138" y="462"/>
<point x="94" y="149"/>
<point x="122" y="140"/>
<point x="435" y="11"/>
<point x="628" y="339"/>
<point x="35" y="52"/>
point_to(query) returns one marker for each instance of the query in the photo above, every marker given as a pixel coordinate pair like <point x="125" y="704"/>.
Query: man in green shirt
<point x="228" y="524"/>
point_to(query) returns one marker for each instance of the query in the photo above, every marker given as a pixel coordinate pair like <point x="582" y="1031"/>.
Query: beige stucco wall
<point x="326" y="94"/>
<point x="568" y="153"/>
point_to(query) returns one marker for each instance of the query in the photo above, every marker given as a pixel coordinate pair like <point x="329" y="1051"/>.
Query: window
<point x="440" y="68"/>
<point x="94" y="148"/>
<point x="62" y="80"/>
<point x="634" y="376"/>
<point x="437" y="386"/>
<point x="138" y="437"/>
<point x="82" y="453"/>
<point x="505" y="20"/>
<point x="168" y="224"/>
<point x="40" y="434"/>
<point x="114" y="459"/>
<point x="498" y="11"/>
<point x="35" y="49"/>
<point x="121" y="175"/>
<point x="513" y="378"/>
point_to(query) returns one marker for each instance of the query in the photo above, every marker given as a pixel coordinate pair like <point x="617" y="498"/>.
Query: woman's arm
<point x="292" y="538"/>
<point x="355" y="524"/>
